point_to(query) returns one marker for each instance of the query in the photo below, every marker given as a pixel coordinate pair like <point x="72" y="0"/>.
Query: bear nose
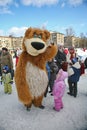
<point x="37" y="45"/>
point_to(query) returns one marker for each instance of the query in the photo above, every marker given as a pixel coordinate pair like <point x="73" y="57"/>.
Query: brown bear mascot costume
<point x="30" y="76"/>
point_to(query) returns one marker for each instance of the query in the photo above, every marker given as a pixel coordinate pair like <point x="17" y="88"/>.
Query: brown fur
<point x="40" y="61"/>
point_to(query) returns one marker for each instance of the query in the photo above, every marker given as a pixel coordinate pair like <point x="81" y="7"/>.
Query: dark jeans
<point x="45" y="94"/>
<point x="73" y="88"/>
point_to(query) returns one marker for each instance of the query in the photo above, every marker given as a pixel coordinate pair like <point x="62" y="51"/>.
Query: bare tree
<point x="70" y="31"/>
<point x="69" y="34"/>
<point x="83" y="40"/>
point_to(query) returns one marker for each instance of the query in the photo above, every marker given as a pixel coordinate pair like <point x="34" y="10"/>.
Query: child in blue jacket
<point x="6" y="79"/>
<point x="73" y="77"/>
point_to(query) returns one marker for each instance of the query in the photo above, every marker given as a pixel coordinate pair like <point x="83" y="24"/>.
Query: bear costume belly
<point x="37" y="80"/>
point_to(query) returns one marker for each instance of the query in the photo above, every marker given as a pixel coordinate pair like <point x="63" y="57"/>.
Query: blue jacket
<point x="74" y="77"/>
<point x="48" y="70"/>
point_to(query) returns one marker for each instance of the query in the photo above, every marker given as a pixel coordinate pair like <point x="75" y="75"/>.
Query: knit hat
<point x="74" y="60"/>
<point x="71" y="48"/>
<point x="4" y="48"/>
<point x="6" y="68"/>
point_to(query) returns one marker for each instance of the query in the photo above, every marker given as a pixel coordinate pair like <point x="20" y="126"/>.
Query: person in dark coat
<point x="82" y="67"/>
<point x="6" y="59"/>
<point x="73" y="77"/>
<point x="48" y="70"/>
<point x="60" y="58"/>
<point x="85" y="63"/>
<point x="48" y="73"/>
<point x="53" y="72"/>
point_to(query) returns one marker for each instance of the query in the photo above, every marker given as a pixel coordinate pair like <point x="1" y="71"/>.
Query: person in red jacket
<point x="82" y="67"/>
<point x="17" y="56"/>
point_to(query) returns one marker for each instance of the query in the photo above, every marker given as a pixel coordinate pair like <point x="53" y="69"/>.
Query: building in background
<point x="11" y="42"/>
<point x="72" y="41"/>
<point x="57" y="38"/>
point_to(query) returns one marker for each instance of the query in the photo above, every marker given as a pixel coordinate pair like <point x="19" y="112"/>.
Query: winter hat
<point x="4" y="48"/>
<point x="66" y="51"/>
<point x="74" y="60"/>
<point x="71" y="48"/>
<point x="6" y="68"/>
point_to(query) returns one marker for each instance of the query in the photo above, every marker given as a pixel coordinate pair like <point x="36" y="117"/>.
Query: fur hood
<point x="76" y="65"/>
<point x="70" y="70"/>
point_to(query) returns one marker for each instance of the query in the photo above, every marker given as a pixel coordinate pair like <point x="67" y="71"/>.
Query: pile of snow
<point x="14" y="116"/>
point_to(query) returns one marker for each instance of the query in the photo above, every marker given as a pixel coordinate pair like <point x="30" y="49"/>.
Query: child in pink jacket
<point x="59" y="89"/>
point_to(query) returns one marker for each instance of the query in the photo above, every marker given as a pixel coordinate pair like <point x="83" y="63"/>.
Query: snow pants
<point x="58" y="104"/>
<point x="7" y="88"/>
<point x="73" y="88"/>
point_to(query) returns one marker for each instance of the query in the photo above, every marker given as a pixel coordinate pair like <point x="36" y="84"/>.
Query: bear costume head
<point x="35" y="41"/>
<point x="30" y="76"/>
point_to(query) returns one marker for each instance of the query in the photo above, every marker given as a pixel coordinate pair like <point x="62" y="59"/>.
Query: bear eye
<point x="35" y="35"/>
<point x="39" y="36"/>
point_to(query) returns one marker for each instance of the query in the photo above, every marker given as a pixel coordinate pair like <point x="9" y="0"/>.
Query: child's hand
<point x="11" y="82"/>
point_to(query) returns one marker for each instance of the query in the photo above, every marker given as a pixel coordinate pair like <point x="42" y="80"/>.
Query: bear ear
<point x="28" y="31"/>
<point x="47" y="34"/>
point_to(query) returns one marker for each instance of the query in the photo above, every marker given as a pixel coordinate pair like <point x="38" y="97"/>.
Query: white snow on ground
<point x="14" y="116"/>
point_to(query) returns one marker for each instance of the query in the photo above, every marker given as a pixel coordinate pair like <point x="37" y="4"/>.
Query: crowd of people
<point x="65" y="64"/>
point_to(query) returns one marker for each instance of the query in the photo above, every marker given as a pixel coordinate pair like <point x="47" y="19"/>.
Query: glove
<point x="11" y="82"/>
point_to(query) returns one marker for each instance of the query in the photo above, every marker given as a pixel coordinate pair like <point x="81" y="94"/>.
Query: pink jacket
<point x="59" y="84"/>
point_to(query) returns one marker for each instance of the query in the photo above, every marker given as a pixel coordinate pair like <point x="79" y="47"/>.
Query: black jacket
<point x="61" y="56"/>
